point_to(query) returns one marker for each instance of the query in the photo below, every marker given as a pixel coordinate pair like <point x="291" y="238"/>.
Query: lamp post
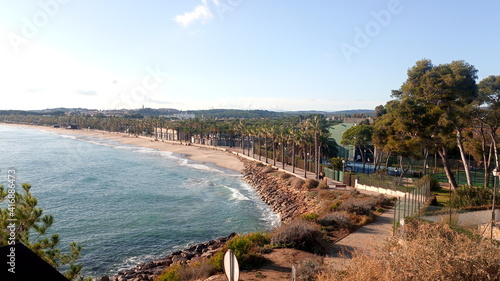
<point x="343" y="165"/>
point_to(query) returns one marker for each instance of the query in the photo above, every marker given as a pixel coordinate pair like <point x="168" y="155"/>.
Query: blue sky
<point x="202" y="54"/>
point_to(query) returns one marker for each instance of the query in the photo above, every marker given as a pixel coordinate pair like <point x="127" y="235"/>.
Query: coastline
<point x="220" y="157"/>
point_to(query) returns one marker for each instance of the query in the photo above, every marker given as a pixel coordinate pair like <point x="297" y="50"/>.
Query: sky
<point x="277" y="55"/>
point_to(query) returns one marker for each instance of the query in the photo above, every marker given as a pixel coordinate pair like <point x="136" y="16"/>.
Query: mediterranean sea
<point x="126" y="204"/>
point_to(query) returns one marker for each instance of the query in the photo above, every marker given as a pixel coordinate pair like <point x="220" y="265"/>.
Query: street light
<point x="343" y="165"/>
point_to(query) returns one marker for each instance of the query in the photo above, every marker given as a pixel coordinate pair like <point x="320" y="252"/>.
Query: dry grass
<point x="428" y="252"/>
<point x="296" y="183"/>
<point x="310" y="184"/>
<point x="301" y="235"/>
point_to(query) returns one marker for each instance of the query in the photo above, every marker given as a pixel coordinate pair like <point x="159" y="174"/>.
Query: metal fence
<point x="413" y="203"/>
<point x="385" y="181"/>
<point x="334" y="174"/>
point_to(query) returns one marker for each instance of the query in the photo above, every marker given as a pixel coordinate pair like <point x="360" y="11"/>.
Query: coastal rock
<point x="150" y="270"/>
<point x="284" y="199"/>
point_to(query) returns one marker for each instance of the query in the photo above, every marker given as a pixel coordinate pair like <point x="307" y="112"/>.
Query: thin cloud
<point x="199" y="13"/>
<point x="86" y="92"/>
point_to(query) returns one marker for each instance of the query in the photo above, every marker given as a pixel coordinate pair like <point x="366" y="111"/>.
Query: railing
<point x="412" y="203"/>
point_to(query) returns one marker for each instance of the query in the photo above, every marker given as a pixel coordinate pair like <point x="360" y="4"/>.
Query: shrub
<point x="301" y="235"/>
<point x="471" y="197"/>
<point x="247" y="249"/>
<point x="284" y="176"/>
<point x="308" y="269"/>
<point x="310" y="217"/>
<point x="428" y="252"/>
<point x="322" y="185"/>
<point x="310" y="184"/>
<point x="336" y="220"/>
<point x="312" y="194"/>
<point x="297" y="183"/>
<point x="335" y="206"/>
<point x="267" y="169"/>
<point x="357" y="206"/>
<point x="329" y="194"/>
<point x="196" y="270"/>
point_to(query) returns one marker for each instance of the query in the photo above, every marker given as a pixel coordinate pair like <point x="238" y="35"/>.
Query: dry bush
<point x="428" y="252"/>
<point x="336" y="220"/>
<point x="359" y="206"/>
<point x="267" y="169"/>
<point x="328" y="194"/>
<point x="322" y="185"/>
<point x="310" y="184"/>
<point x="296" y="183"/>
<point x="285" y="176"/>
<point x="310" y="217"/>
<point x="308" y="269"/>
<point x="301" y="235"/>
<point x="192" y="271"/>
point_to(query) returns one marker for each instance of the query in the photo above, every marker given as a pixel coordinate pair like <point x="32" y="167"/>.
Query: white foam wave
<point x="69" y="137"/>
<point x="236" y="194"/>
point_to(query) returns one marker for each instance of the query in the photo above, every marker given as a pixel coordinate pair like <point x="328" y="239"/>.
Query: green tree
<point x="31" y="230"/>
<point x="436" y="99"/>
<point x="359" y="136"/>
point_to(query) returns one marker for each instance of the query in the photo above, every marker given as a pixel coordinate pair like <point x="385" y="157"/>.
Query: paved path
<point x="367" y="238"/>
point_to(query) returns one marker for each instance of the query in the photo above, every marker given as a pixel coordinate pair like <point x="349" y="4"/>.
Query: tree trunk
<point x="293" y="157"/>
<point x="274" y="152"/>
<point x="265" y="146"/>
<point x="316" y="154"/>
<point x="447" y="169"/>
<point x="283" y="155"/>
<point x="305" y="161"/>
<point x="387" y="162"/>
<point x="462" y="155"/>
<point x="486" y="157"/>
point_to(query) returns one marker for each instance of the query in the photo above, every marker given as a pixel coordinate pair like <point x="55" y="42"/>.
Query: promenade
<point x="366" y="239"/>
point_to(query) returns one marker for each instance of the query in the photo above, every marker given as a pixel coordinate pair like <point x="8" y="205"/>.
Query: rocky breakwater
<point x="150" y="270"/>
<point x="281" y="191"/>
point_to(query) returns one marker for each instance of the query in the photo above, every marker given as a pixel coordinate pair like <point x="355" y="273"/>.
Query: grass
<point x="428" y="251"/>
<point x="477" y="178"/>
<point x="442" y="197"/>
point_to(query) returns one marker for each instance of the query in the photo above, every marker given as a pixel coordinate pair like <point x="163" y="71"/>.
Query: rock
<point x="104" y="278"/>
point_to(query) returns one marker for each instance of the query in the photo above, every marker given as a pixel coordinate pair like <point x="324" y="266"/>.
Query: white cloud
<point x="199" y="13"/>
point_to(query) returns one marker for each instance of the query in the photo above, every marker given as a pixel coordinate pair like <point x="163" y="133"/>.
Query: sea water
<point x="126" y="204"/>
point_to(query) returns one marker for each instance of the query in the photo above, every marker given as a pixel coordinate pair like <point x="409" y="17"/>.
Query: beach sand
<point x="219" y="156"/>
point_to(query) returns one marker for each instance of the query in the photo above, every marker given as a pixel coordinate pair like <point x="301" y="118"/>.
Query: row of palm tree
<point x="290" y="140"/>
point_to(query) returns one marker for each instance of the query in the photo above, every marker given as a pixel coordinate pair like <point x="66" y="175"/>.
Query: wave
<point x="236" y="194"/>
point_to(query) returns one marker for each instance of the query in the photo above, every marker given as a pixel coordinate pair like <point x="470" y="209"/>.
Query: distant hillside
<point x="235" y="113"/>
<point x="24" y="112"/>
<point x="367" y="112"/>
<point x="210" y="113"/>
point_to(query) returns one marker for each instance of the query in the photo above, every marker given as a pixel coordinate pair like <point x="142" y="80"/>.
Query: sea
<point x="126" y="204"/>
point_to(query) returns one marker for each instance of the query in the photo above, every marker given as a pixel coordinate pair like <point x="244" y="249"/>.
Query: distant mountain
<point x="209" y="113"/>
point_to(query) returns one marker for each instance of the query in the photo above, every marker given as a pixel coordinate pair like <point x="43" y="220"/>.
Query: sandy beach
<point x="218" y="156"/>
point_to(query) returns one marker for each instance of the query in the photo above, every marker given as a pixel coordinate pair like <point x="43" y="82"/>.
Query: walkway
<point x="366" y="239"/>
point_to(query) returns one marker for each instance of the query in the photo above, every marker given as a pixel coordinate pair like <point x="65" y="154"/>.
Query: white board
<point x="231" y="267"/>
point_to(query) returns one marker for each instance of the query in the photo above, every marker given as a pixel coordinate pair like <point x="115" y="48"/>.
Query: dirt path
<point x="367" y="238"/>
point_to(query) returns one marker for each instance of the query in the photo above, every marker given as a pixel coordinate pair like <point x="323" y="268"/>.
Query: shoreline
<point x="218" y="156"/>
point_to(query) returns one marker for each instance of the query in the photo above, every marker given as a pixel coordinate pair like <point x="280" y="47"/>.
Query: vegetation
<point x="194" y="271"/>
<point x="31" y="230"/>
<point x="301" y="235"/>
<point x="426" y="252"/>
<point x="466" y="197"/>
<point x="247" y="249"/>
